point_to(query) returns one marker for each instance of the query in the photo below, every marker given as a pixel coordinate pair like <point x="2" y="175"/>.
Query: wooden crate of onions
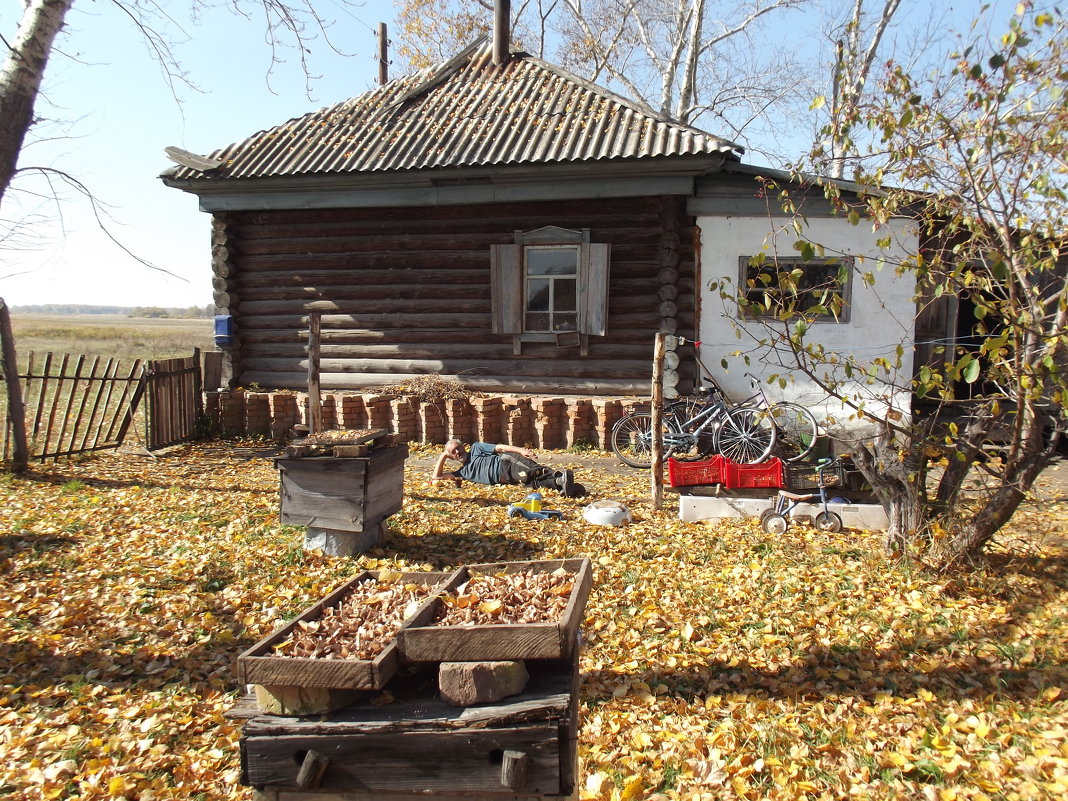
<point x="340" y="646"/>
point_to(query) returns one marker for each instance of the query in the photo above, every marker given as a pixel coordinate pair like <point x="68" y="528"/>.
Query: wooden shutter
<point x="593" y="288"/>
<point x="506" y="288"/>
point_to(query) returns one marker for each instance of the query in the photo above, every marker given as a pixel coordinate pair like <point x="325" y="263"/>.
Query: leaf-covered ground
<point x="720" y="663"/>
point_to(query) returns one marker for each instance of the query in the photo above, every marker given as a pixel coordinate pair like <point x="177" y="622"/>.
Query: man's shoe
<point x="566" y="481"/>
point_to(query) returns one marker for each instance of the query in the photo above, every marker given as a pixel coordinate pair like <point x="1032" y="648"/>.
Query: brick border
<point x="535" y="422"/>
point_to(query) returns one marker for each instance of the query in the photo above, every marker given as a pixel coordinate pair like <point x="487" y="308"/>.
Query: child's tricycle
<point x="776" y="520"/>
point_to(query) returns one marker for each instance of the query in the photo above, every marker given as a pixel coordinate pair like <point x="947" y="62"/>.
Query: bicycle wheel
<point x="746" y="435"/>
<point x="796" y="428"/>
<point x="632" y="439"/>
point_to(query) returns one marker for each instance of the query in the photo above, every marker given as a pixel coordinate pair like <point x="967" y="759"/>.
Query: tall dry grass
<point x="110" y="336"/>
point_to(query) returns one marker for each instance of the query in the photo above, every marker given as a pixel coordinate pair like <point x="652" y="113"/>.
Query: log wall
<point x="406" y="291"/>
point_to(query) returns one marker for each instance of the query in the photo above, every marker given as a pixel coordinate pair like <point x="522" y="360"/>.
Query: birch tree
<point x="853" y="61"/>
<point x="692" y="61"/>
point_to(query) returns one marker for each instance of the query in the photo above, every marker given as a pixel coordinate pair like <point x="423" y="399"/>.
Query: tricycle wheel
<point x="829" y="522"/>
<point x="774" y="524"/>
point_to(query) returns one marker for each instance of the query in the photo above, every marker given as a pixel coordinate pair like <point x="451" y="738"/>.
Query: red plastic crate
<point x="767" y="475"/>
<point x="687" y="474"/>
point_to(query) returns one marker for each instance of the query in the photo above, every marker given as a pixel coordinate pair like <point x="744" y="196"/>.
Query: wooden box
<point x="342" y="494"/>
<point x="259" y="665"/>
<point x="423" y="642"/>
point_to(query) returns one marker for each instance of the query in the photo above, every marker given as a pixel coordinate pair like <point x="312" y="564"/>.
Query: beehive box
<point x="343" y="494"/>
<point x="262" y="665"/>
<point x="428" y="641"/>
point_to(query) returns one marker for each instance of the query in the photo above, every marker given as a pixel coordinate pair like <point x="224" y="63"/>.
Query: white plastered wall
<point x="882" y="313"/>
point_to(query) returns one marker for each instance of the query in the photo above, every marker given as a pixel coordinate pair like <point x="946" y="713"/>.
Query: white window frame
<point x="509" y="282"/>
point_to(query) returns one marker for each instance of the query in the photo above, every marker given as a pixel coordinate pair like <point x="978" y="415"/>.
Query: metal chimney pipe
<point x="383" y="55"/>
<point x="502" y="31"/>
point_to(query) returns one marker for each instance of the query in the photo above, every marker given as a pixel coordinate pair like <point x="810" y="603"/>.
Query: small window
<point x="551" y="289"/>
<point x="817" y="288"/>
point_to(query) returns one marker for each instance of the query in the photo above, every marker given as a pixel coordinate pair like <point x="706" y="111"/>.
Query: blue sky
<point x="122" y="117"/>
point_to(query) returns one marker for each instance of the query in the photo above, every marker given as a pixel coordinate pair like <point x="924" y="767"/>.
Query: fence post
<point x="657" y="428"/>
<point x="16" y="411"/>
<point x="315" y="409"/>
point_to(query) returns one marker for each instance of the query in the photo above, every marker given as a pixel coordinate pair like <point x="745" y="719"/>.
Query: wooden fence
<point x="75" y="404"/>
<point x="174" y="400"/>
<point x="79" y="404"/>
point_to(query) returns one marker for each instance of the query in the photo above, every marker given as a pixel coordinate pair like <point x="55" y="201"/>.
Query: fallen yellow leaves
<point x="718" y="663"/>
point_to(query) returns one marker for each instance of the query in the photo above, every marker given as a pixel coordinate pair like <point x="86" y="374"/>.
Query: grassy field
<point x="109" y="335"/>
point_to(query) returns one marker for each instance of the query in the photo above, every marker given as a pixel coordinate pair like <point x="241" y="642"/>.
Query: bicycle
<point x="743" y="434"/>
<point x="776" y="520"/>
<point x="739" y="431"/>
<point x="796" y="427"/>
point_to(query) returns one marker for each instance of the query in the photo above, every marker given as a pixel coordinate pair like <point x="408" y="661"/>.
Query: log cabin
<point x="499" y="221"/>
<point x="494" y="220"/>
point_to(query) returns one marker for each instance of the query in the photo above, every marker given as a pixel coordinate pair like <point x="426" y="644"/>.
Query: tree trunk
<point x="898" y="478"/>
<point x="968" y="541"/>
<point x="21" y="77"/>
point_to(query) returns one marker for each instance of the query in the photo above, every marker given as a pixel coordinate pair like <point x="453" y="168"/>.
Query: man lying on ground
<point x="486" y="463"/>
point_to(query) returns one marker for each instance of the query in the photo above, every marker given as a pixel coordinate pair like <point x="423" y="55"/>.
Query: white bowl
<point x="607" y="513"/>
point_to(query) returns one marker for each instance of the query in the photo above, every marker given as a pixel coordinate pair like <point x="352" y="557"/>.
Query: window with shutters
<point x="550" y="285"/>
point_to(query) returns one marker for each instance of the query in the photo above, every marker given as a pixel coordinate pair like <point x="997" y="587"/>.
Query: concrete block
<point x="867" y="516"/>
<point x="335" y="542"/>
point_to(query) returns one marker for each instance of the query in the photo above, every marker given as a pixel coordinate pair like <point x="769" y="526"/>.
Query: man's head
<point x="454" y="449"/>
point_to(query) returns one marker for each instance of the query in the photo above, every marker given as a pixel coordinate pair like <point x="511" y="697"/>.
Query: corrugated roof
<point x="466" y="112"/>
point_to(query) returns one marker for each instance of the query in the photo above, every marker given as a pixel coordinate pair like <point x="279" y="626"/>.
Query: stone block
<point x="467" y="683"/>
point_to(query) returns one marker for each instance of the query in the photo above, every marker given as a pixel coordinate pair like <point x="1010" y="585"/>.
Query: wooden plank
<point x="113" y="373"/>
<point x="548" y="698"/>
<point x="423" y="761"/>
<point x="390" y="277"/>
<point x="656" y="403"/>
<point x="315" y="405"/>
<point x="94" y="418"/>
<point x="84" y="392"/>
<point x="130" y="408"/>
<point x="505" y="384"/>
<point x="57" y="392"/>
<point x="325" y="303"/>
<point x="559" y="367"/>
<point x="434" y="643"/>
<point x="16" y="410"/>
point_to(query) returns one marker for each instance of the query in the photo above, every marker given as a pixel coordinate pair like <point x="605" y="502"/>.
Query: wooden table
<point x="416" y="746"/>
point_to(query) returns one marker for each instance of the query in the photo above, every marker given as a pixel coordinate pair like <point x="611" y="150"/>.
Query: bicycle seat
<point x="793" y="496"/>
